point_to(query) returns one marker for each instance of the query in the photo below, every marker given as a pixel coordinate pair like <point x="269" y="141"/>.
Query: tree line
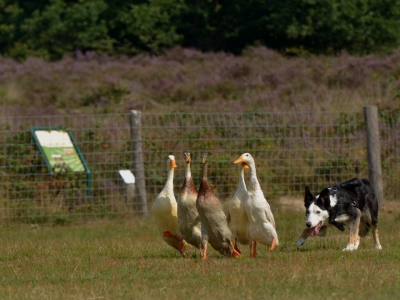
<point x="52" y="28"/>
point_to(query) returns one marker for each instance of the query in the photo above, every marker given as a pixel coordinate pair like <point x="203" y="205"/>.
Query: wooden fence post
<point x="137" y="157"/>
<point x="374" y="150"/>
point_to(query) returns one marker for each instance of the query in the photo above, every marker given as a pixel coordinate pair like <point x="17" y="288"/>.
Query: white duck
<point x="188" y="216"/>
<point x="164" y="211"/>
<point x="237" y="217"/>
<point x="261" y="220"/>
<point x="214" y="226"/>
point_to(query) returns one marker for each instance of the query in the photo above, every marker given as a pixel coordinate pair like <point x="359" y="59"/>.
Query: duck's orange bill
<point x="173" y="164"/>
<point x="239" y="160"/>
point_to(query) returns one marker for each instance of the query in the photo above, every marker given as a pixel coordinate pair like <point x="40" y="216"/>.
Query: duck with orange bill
<point x="261" y="220"/>
<point x="164" y="211"/>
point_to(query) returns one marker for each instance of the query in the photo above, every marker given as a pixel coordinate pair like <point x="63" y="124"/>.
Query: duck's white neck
<point x="170" y="179"/>
<point x="242" y="184"/>
<point x="253" y="182"/>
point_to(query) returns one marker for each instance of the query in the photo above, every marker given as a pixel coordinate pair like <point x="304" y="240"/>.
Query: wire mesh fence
<point x="291" y="150"/>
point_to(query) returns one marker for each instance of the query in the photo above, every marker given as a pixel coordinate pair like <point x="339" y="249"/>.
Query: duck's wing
<point x="268" y="213"/>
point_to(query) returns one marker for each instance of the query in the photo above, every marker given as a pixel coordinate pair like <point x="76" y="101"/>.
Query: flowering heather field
<point x="188" y="80"/>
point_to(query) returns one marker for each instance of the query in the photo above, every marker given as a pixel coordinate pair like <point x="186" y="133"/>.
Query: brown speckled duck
<point x="261" y="220"/>
<point x="237" y="217"/>
<point x="188" y="216"/>
<point x="164" y="211"/>
<point x="214" y="226"/>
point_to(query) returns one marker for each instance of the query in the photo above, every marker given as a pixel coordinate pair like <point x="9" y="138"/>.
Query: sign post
<point x="60" y="151"/>
<point x="129" y="182"/>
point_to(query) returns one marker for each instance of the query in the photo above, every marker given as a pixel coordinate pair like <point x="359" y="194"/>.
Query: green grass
<point x="128" y="260"/>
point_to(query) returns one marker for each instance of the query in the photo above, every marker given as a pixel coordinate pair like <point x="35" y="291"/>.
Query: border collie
<point x="352" y="203"/>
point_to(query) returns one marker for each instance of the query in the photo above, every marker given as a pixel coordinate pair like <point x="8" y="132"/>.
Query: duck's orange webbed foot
<point x="253" y="249"/>
<point x="235" y="251"/>
<point x="204" y="256"/>
<point x="203" y="251"/>
<point x="181" y="248"/>
<point x="236" y="248"/>
<point x="273" y="244"/>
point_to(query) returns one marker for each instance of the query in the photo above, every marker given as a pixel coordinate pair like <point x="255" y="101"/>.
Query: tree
<point x="52" y="28"/>
<point x="330" y="26"/>
<point x="153" y="25"/>
<point x="66" y="26"/>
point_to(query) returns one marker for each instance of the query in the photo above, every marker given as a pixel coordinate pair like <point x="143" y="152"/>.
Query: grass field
<point x="126" y="259"/>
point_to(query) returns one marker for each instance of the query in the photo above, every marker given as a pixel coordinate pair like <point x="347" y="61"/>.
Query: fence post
<point x="137" y="157"/>
<point x="374" y="150"/>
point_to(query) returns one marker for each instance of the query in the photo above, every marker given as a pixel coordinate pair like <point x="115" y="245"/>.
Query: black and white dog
<point x="352" y="203"/>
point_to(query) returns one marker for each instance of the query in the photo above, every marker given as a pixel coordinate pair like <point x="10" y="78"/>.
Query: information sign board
<point x="59" y="151"/>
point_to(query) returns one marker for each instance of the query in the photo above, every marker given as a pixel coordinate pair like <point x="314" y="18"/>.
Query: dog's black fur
<point x="356" y="205"/>
<point x="351" y="194"/>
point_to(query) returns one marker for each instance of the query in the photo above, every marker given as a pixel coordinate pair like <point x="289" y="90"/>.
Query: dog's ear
<point x="324" y="197"/>
<point x="308" y="197"/>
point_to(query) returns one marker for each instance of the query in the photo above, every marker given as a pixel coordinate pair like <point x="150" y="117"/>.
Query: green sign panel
<point x="59" y="151"/>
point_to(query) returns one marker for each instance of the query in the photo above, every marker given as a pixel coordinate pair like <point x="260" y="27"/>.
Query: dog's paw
<point x="357" y="243"/>
<point x="350" y="247"/>
<point x="300" y="242"/>
<point x="378" y="247"/>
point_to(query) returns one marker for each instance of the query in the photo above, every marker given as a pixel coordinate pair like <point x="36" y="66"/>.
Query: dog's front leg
<point x="302" y="238"/>
<point x="307" y="232"/>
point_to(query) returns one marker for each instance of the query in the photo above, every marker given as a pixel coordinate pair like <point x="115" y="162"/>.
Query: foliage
<point x="54" y="28"/>
<point x="330" y="26"/>
<point x="61" y="27"/>
<point x="105" y="95"/>
<point x="188" y="80"/>
<point x="153" y="25"/>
